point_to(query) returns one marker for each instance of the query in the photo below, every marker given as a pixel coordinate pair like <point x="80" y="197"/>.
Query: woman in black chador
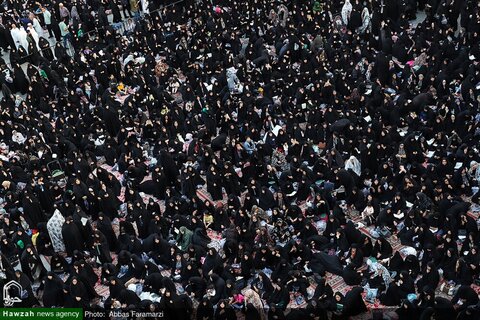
<point x="52" y="287"/>
<point x="72" y="237"/>
<point x="20" y="80"/>
<point x="31" y="263"/>
<point x="214" y="183"/>
<point x="45" y="48"/>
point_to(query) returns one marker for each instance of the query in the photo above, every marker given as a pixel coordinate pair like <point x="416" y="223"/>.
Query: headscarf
<point x="365" y="21"/>
<point x="282" y="15"/>
<point x="353" y="164"/>
<point x="346" y="11"/>
<point x="74" y="13"/>
<point x="317" y="6"/>
<point x="254" y="298"/>
<point x="474" y="170"/>
<point x="375" y="267"/>
<point x="54" y="226"/>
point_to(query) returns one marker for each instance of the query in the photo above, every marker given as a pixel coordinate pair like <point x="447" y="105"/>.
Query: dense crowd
<point x="215" y="159"/>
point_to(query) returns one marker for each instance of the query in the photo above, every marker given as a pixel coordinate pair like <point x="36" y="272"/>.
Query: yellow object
<point x="207" y="218"/>
<point x="34" y="238"/>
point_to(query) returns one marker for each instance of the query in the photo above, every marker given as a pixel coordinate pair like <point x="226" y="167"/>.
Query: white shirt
<point x="47" y="17"/>
<point x="37" y="26"/>
<point x="16" y="36"/>
<point x="23" y="38"/>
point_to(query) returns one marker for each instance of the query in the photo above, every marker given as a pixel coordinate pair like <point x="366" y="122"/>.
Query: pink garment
<point x="238" y="298"/>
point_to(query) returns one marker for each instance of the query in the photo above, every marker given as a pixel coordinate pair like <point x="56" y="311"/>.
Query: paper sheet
<point x="276" y="129"/>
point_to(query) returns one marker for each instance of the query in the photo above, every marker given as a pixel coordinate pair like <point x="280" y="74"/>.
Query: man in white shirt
<point x="64" y="13"/>
<point x="47" y="18"/>
<point x="65" y="32"/>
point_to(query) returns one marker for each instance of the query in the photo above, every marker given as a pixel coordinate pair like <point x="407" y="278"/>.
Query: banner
<point x="41" y="313"/>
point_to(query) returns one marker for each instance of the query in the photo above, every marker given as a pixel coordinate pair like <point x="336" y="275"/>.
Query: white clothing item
<point x="346" y="11"/>
<point x="23" y="38"/>
<point x="54" y="227"/>
<point x="38" y="28"/>
<point x="47" y="17"/>
<point x="353" y="164"/>
<point x="34" y="34"/>
<point x="145" y="4"/>
<point x="16" y="36"/>
<point x="17" y="137"/>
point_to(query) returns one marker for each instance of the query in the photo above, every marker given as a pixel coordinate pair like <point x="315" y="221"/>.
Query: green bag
<point x="317" y="6"/>
<point x="43" y="74"/>
<point x="20" y="244"/>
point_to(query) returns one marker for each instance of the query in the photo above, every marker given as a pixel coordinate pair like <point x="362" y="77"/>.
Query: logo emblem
<point x="7" y="299"/>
